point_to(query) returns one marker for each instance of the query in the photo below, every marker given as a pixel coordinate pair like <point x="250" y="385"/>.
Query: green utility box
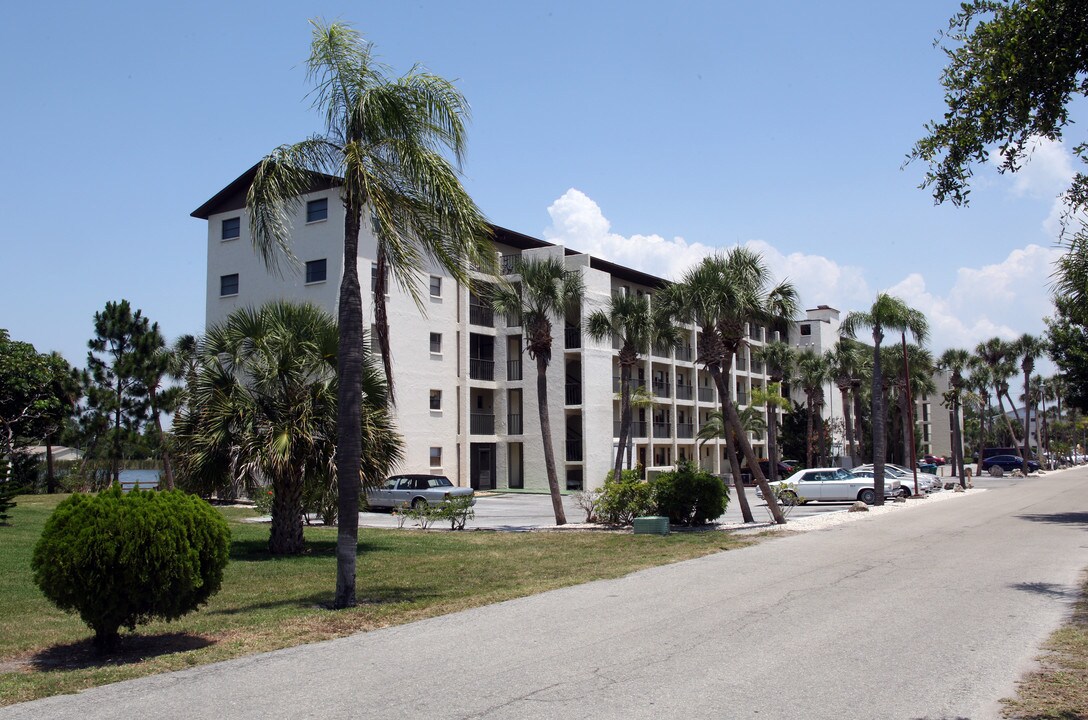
<point x="653" y="525"/>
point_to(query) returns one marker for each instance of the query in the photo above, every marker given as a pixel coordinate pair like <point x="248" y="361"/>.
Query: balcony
<point x="661" y="351"/>
<point x="513" y="319"/>
<point x="572" y="338"/>
<point x="480" y="369"/>
<point x="742" y="397"/>
<point x="662" y="389"/>
<point x="662" y="429"/>
<point x="508" y="264"/>
<point x="513" y="424"/>
<point x="685" y="431"/>
<point x="574" y="450"/>
<point x="707" y="394"/>
<point x="633" y="382"/>
<point x="513" y="369"/>
<point x="480" y="314"/>
<point x="481" y="424"/>
<point x="742" y="363"/>
<point x="757" y="367"/>
<point x="683" y="392"/>
<point x="684" y="353"/>
<point x="638" y="429"/>
<point x="574" y="394"/>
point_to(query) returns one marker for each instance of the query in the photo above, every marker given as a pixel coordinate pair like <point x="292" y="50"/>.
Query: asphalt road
<point x="930" y="613"/>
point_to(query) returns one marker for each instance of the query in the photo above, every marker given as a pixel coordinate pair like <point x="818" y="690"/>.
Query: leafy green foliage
<point x="690" y="495"/>
<point x="1067" y="333"/>
<point x="33" y="397"/>
<point x="621" y="501"/>
<point x="124" y="559"/>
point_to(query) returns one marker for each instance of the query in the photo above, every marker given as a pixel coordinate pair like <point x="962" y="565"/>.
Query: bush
<point x="120" y="560"/>
<point x="456" y="510"/>
<point x="690" y="495"/>
<point x="621" y="501"/>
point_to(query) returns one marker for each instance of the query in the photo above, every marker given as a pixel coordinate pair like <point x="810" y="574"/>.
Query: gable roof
<point x="233" y="196"/>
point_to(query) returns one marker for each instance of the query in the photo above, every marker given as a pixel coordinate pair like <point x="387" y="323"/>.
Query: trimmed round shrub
<point x="689" y="495"/>
<point x="621" y="501"/>
<point x="120" y="560"/>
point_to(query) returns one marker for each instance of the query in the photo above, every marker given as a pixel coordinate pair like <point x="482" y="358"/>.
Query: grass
<point x="268" y="603"/>
<point x="1059" y="689"/>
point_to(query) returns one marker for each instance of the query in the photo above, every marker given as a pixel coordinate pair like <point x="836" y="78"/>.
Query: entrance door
<point x="482" y="466"/>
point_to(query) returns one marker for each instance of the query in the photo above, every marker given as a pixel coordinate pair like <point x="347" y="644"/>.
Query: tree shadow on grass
<point x="1061" y="518"/>
<point x="134" y="648"/>
<point x="257" y="550"/>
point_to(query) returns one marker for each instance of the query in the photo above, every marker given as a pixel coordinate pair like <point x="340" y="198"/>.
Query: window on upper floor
<point x="316" y="271"/>
<point x="436" y="399"/>
<point x="317" y="210"/>
<point x="436" y="286"/>
<point x="806" y="330"/>
<point x="436" y="343"/>
<point x="436" y="457"/>
<point x="232" y="228"/>
<point x="228" y="285"/>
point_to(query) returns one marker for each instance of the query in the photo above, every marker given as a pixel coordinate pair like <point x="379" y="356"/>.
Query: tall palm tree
<point x="1029" y="348"/>
<point x="888" y="313"/>
<point x="955" y="361"/>
<point x="724" y="295"/>
<point x="999" y="356"/>
<point x="263" y="407"/>
<point x="545" y="291"/>
<point x="387" y="139"/>
<point x="779" y="358"/>
<point x="638" y="327"/>
<point x="846" y="365"/>
<point x="979" y="383"/>
<point x="813" y="372"/>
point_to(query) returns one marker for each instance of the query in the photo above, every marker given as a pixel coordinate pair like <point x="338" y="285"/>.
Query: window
<point x="806" y="330"/>
<point x="436" y="343"/>
<point x="436" y="399"/>
<point x="232" y="228"/>
<point x="316" y="270"/>
<point x="436" y="457"/>
<point x="317" y="210"/>
<point x="228" y="285"/>
<point x="436" y="286"/>
<point x="373" y="276"/>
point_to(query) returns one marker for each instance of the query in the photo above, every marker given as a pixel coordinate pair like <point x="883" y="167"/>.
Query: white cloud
<point x="1045" y="172"/>
<point x="1004" y="299"/>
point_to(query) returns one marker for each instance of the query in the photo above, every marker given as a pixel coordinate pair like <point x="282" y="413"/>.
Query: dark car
<point x="1007" y="463"/>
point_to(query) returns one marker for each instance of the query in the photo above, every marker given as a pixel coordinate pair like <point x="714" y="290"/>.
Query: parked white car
<point x="926" y="483"/>
<point x="832" y="484"/>
<point x="415" y="490"/>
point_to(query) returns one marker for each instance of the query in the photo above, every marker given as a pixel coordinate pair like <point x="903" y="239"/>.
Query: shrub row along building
<point x="466" y="391"/>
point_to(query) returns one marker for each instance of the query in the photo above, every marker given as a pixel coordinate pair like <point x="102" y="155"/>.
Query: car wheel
<point x="867" y="496"/>
<point x="787" y="497"/>
<point x="996" y="471"/>
<point x="904" y="491"/>
<point x="419" y="503"/>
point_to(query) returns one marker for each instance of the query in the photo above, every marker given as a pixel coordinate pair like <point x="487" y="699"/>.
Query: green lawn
<point x="268" y="603"/>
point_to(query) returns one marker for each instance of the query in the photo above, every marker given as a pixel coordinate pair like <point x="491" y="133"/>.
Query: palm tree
<point x="1029" y="348"/>
<point x="999" y="357"/>
<point x="813" y="371"/>
<point x="779" y="358"/>
<point x="891" y="314"/>
<point x="263" y="407"/>
<point x="545" y="291"/>
<point x="724" y="295"/>
<point x="846" y="365"/>
<point x="979" y="383"/>
<point x="638" y="327"/>
<point x="955" y="361"/>
<point x="387" y="139"/>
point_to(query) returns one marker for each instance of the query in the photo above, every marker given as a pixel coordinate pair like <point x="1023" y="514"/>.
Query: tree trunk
<point x="822" y="431"/>
<point x="546" y="437"/>
<point x="808" y="434"/>
<point x="285" y="536"/>
<point x="381" y="320"/>
<point x="625" y="417"/>
<point x="1027" y="421"/>
<point x="50" y="476"/>
<point x="738" y="481"/>
<point x="848" y="424"/>
<point x="349" y="395"/>
<point x="859" y="436"/>
<point x="904" y="409"/>
<point x="772" y="441"/>
<point x="1008" y="426"/>
<point x="879" y="433"/>
<point x="957" y="442"/>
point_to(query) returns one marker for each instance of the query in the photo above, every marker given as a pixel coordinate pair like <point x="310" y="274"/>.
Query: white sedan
<point x="832" y="484"/>
<point x="926" y="483"/>
<point x="415" y="490"/>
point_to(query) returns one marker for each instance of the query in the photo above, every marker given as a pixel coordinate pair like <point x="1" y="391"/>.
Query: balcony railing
<point x="742" y="363"/>
<point x="662" y="389"/>
<point x="481" y="424"/>
<point x="661" y="351"/>
<point x="574" y="450"/>
<point x="513" y="424"/>
<point x="572" y="338"/>
<point x="513" y="319"/>
<point x="481" y="315"/>
<point x="757" y="366"/>
<point x="513" y="369"/>
<point x="638" y="429"/>
<point x="479" y="369"/>
<point x="574" y="393"/>
<point x="634" y="382"/>
<point x="507" y="264"/>
<point x="683" y="392"/>
<point x="685" y="431"/>
<point x="742" y="397"/>
<point x="662" y="429"/>
<point x="707" y="394"/>
<point x="684" y="353"/>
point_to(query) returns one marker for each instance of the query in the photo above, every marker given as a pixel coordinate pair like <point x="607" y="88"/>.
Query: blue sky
<point x="647" y="133"/>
